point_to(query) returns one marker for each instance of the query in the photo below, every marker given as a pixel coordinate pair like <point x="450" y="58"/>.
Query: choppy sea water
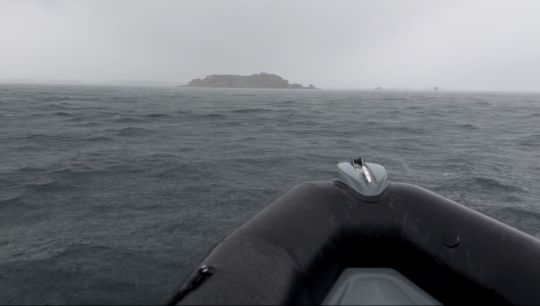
<point x="113" y="194"/>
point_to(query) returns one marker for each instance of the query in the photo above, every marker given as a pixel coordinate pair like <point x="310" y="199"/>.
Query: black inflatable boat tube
<point x="294" y="250"/>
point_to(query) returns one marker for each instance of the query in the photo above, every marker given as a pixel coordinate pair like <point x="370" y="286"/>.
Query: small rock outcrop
<point x="260" y="80"/>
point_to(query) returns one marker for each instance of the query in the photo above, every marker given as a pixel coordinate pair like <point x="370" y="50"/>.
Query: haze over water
<point x="419" y="44"/>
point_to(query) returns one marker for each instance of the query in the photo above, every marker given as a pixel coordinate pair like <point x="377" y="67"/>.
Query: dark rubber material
<point x="294" y="250"/>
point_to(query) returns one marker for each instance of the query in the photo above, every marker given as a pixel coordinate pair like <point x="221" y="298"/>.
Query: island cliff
<point x="261" y="80"/>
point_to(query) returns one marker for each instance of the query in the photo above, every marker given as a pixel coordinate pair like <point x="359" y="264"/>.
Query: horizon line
<point x="155" y="83"/>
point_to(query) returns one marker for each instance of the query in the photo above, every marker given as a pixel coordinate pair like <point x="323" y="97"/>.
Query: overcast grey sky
<point x="471" y="45"/>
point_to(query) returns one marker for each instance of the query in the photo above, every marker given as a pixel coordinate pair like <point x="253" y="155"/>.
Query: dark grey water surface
<point x="112" y="195"/>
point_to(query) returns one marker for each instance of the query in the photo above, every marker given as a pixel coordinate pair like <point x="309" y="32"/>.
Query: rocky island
<point x="260" y="80"/>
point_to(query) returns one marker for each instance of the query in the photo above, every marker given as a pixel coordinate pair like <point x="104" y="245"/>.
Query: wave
<point x="414" y="107"/>
<point x="47" y="186"/>
<point x="287" y="101"/>
<point x="40" y="137"/>
<point x="127" y="119"/>
<point x="88" y="123"/>
<point x="522" y="218"/>
<point x="521" y="212"/>
<point x="405" y="129"/>
<point x="183" y="112"/>
<point x="11" y="202"/>
<point x="78" y="119"/>
<point x="468" y="126"/>
<point x="481" y="102"/>
<point x="53" y="255"/>
<point x="530" y="140"/>
<point x="53" y="107"/>
<point x="249" y="110"/>
<point x="394" y="99"/>
<point x="156" y="115"/>
<point x="213" y="115"/>
<point x="96" y="139"/>
<point x="199" y="115"/>
<point x="491" y="184"/>
<point x="56" y="99"/>
<point x="45" y="138"/>
<point x="133" y="132"/>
